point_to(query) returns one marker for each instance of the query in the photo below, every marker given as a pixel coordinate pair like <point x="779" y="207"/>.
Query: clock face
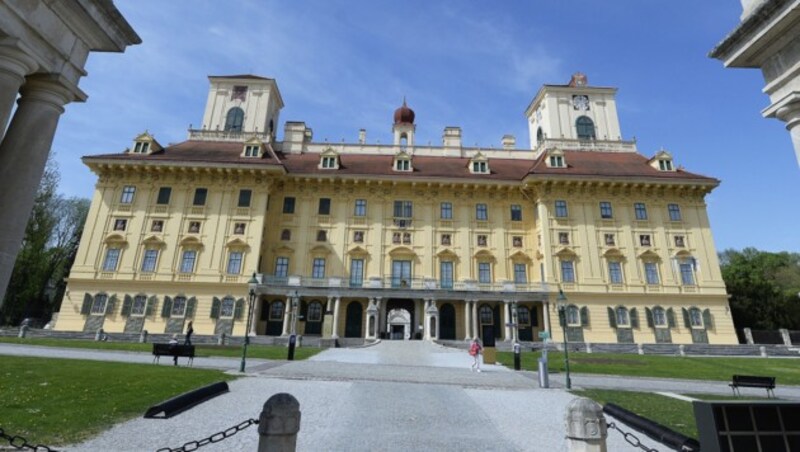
<point x="580" y="102"/>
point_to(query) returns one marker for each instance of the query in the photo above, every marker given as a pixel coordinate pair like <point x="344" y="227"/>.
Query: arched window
<point x="695" y="317"/>
<point x="585" y="128"/>
<point x="228" y="305"/>
<point x="622" y="316"/>
<point x="234" y="120"/>
<point x="573" y="315"/>
<point x="539" y="136"/>
<point x="659" y="316"/>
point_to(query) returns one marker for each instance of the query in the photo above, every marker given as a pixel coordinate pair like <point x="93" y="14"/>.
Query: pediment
<point x="402" y="251"/>
<point x="115" y="238"/>
<point x="358" y="251"/>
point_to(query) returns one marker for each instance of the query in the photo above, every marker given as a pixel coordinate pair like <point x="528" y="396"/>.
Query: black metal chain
<point x="20" y="443"/>
<point x="215" y="438"/>
<point x="631" y="439"/>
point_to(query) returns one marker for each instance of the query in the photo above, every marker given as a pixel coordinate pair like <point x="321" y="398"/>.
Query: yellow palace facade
<point x="399" y="241"/>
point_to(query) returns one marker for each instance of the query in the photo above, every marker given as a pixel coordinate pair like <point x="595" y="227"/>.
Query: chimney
<point x="509" y="142"/>
<point x="362" y="136"/>
<point x="452" y="137"/>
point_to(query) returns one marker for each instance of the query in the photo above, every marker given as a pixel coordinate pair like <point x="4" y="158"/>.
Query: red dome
<point x="404" y="115"/>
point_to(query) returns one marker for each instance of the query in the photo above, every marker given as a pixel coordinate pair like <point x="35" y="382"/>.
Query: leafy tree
<point x="48" y="250"/>
<point x="764" y="288"/>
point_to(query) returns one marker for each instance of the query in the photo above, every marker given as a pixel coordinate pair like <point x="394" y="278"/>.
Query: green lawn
<point x="253" y="350"/>
<point x="787" y="371"/>
<point x="59" y="401"/>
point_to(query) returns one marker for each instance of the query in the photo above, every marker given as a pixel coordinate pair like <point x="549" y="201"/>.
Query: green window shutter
<point x="686" y="322"/>
<point x="215" y="307"/>
<point x="111" y="304"/>
<point x="190" y="305"/>
<point x="671" y="318"/>
<point x="152" y="302"/>
<point x="166" y="308"/>
<point x="634" y="317"/>
<point x="649" y="314"/>
<point x="87" y="304"/>
<point x="612" y="318"/>
<point x="239" y="309"/>
<point x="126" y="305"/>
<point x="707" y="320"/>
<point x="585" y="316"/>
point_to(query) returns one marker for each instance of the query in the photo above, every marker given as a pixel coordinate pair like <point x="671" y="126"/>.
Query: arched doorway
<point x="313" y="318"/>
<point x="408" y="306"/>
<point x="275" y="318"/>
<point x="399" y="324"/>
<point x="353" y="322"/>
<point x="447" y="322"/>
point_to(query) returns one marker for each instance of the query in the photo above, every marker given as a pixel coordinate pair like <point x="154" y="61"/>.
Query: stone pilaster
<point x="287" y="316"/>
<point x="336" y="306"/>
<point x="14" y="66"/>
<point x="475" y="332"/>
<point x="467" y="323"/>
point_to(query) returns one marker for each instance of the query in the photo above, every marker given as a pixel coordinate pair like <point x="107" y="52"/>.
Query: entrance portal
<point x="399" y="304"/>
<point x="399" y="321"/>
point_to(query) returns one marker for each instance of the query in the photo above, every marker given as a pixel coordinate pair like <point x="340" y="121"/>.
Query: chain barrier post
<point x="586" y="426"/>
<point x="279" y="423"/>
<point x="23" y="331"/>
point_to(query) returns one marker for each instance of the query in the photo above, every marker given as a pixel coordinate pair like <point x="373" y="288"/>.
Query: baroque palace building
<point x="400" y="240"/>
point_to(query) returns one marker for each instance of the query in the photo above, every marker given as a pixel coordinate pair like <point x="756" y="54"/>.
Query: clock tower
<point x="574" y="115"/>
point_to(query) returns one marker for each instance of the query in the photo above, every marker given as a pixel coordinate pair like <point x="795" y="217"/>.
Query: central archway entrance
<point x="447" y="322"/>
<point x="397" y="330"/>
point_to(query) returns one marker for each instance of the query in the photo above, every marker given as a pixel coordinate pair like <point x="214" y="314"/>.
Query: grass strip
<point x="63" y="401"/>
<point x="201" y="350"/>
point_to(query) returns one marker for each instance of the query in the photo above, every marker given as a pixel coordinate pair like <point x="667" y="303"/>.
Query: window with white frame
<point x="516" y="212"/>
<point x="567" y="271"/>
<point x="141" y="147"/>
<point x="481" y="212"/>
<point x="111" y="259"/>
<point x="695" y="318"/>
<point x="234" y="263"/>
<point x="665" y="164"/>
<point x="99" y="304"/>
<point x="484" y="272"/>
<point x="252" y="150"/>
<point x="315" y="311"/>
<point x="520" y="274"/>
<point x="282" y="267"/>
<point x="674" y="212"/>
<point x="402" y="164"/>
<point x="329" y="162"/>
<point x="128" y="192"/>
<point x="640" y="210"/>
<point x="686" y="267"/>
<point x="149" y="260"/>
<point x="480" y="167"/>
<point x="360" y="208"/>
<point x="659" y="316"/>
<point x="605" y="210"/>
<point x="615" y="272"/>
<point x="139" y="306"/>
<point x="622" y="316"/>
<point x="318" y="268"/>
<point x="573" y="315"/>
<point x="187" y="261"/>
<point x="276" y="310"/>
<point x="227" y="307"/>
<point x="446" y="211"/>
<point x="446" y="274"/>
<point x="178" y="306"/>
<point x="561" y="209"/>
<point x="556" y="161"/>
<point x="356" y="272"/>
<point x="651" y="273"/>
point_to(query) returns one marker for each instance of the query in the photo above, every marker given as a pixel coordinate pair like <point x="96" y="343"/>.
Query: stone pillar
<point x="507" y="320"/>
<point x="787" y="339"/>
<point x="287" y="316"/>
<point x="748" y="336"/>
<point x="278" y="424"/>
<point x="475" y="332"/>
<point x="381" y="315"/>
<point x="790" y="114"/>
<point x="546" y="317"/>
<point x="256" y="315"/>
<point x="336" y="318"/>
<point x="587" y="429"/>
<point x="14" y="66"/>
<point x="23" y="154"/>
<point x="467" y="323"/>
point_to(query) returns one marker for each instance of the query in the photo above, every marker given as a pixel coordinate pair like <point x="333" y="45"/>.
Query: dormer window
<point x="252" y="148"/>
<point x="329" y="160"/>
<point x="141" y="147"/>
<point x="145" y="144"/>
<point x="402" y="162"/>
<point x="665" y="165"/>
<point x="556" y="160"/>
<point x="662" y="161"/>
<point x="479" y="165"/>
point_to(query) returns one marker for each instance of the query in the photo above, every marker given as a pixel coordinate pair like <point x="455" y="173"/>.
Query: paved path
<point x="392" y="396"/>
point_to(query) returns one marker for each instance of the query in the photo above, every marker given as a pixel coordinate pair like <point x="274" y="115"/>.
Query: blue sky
<point x="345" y="65"/>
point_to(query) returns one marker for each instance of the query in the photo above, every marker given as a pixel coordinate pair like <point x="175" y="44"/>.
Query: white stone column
<point x="467" y="323"/>
<point x="256" y="312"/>
<point x="790" y="114"/>
<point x="287" y="316"/>
<point x="507" y="320"/>
<point x="14" y="66"/>
<point x="295" y="306"/>
<point x="329" y="305"/>
<point x="336" y="318"/>
<point x="23" y="154"/>
<point x="546" y="316"/>
<point x="475" y="332"/>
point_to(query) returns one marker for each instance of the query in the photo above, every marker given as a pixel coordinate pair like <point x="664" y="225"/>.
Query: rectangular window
<point x="567" y="271"/>
<point x="318" y="268"/>
<point x="674" y="212"/>
<point x="120" y="224"/>
<point x="111" y="259"/>
<point x="640" y="210"/>
<point x="324" y="206"/>
<point x="520" y="274"/>
<point x="235" y="263"/>
<point x="164" y="194"/>
<point x="178" y="307"/>
<point x="605" y="210"/>
<point x="406" y="238"/>
<point x="561" y="209"/>
<point x="127" y="194"/>
<point x="238" y="228"/>
<point x="358" y="236"/>
<point x="482" y="240"/>
<point x="99" y="305"/>
<point x="401" y="273"/>
<point x="200" y="195"/>
<point x="282" y="267"/>
<point x="516" y="212"/>
<point x="251" y="150"/>
<point x="609" y="238"/>
<point x="194" y="227"/>
<point x="403" y="209"/>
<point x="244" y="198"/>
<point x="563" y="238"/>
<point x="139" y="305"/>
<point x="187" y="262"/>
<point x="680" y="242"/>
<point x="481" y="214"/>
<point x="288" y="204"/>
<point x="484" y="272"/>
<point x="687" y="273"/>
<point x="615" y="272"/>
<point x="361" y="208"/>
<point x="446" y="275"/>
<point x="446" y="240"/>
<point x="516" y="241"/>
<point x="322" y="236"/>
<point x="149" y="261"/>
<point x="157" y="226"/>
<point x="651" y="272"/>
<point x="227" y="308"/>
<point x="644" y="240"/>
<point x="446" y="211"/>
<point x="356" y="272"/>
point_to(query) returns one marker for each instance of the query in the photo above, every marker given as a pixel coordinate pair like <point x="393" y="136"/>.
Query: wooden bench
<point x="173" y="350"/>
<point x="751" y="381"/>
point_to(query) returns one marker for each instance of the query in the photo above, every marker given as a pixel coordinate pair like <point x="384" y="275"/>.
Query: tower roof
<point x="404" y="115"/>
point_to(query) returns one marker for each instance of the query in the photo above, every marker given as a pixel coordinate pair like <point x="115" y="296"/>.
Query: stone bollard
<point x="221" y="339"/>
<point x="787" y="339"/>
<point x="682" y="350"/>
<point x="99" y="335"/>
<point x="279" y="423"/>
<point x="640" y="349"/>
<point x="763" y="351"/>
<point x="586" y="426"/>
<point x="588" y="347"/>
<point x="23" y="331"/>
<point x="748" y="336"/>
<point x="143" y="337"/>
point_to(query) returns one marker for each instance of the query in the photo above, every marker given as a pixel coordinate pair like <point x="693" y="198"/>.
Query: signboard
<point x="544" y="335"/>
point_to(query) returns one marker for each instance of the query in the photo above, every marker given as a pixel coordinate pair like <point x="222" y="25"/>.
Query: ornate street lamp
<point x="251" y="300"/>
<point x="561" y="304"/>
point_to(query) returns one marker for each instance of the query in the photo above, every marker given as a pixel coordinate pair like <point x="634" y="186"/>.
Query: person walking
<point x="475" y="351"/>
<point x="189" y="331"/>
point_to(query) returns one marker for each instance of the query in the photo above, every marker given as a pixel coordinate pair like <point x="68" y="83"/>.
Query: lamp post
<point x="251" y="299"/>
<point x="293" y="324"/>
<point x="561" y="304"/>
